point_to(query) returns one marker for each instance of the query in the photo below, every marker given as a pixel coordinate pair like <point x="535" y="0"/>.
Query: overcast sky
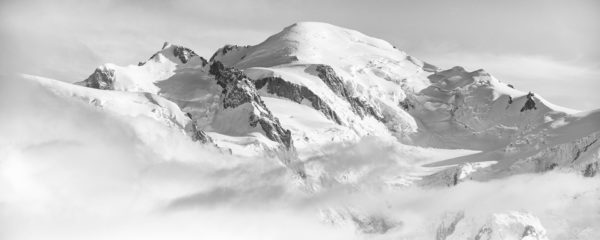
<point x="548" y="47"/>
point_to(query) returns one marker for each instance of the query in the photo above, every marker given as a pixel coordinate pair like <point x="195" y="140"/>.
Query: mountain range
<point x="303" y="92"/>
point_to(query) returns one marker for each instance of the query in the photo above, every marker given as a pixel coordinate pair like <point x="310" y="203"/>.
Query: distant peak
<point x="173" y="52"/>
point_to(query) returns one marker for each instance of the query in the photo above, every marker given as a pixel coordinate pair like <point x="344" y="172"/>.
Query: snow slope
<point x="124" y="103"/>
<point x="569" y="142"/>
<point x="326" y="84"/>
<point x="372" y="69"/>
<point x="474" y="109"/>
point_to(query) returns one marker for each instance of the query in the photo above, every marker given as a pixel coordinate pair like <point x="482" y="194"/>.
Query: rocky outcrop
<point x="591" y="169"/>
<point x="297" y="93"/>
<point x="407" y="104"/>
<point x="530" y="104"/>
<point x="238" y="90"/>
<point x="197" y="133"/>
<point x="484" y="233"/>
<point x="182" y="53"/>
<point x="102" y="78"/>
<point x="200" y="135"/>
<point x="185" y="54"/>
<point x="336" y="84"/>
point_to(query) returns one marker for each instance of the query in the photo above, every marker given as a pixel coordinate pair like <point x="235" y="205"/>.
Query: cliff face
<point x="297" y="93"/>
<point x="102" y="78"/>
<point x="180" y="53"/>
<point x="336" y="84"/>
<point x="239" y="90"/>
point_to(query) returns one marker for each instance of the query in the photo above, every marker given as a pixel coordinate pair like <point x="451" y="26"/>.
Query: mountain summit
<point x="325" y="84"/>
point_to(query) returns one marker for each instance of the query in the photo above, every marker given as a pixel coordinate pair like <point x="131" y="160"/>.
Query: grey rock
<point x="485" y="233"/>
<point x="182" y="53"/>
<point x="239" y="89"/>
<point x="529" y="231"/>
<point x="591" y="169"/>
<point x="529" y="104"/>
<point x="102" y="78"/>
<point x="185" y="54"/>
<point x="197" y="133"/>
<point x="336" y="84"/>
<point x="407" y="104"/>
<point x="296" y="93"/>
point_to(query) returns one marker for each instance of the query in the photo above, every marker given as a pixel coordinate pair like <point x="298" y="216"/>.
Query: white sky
<point x="548" y="47"/>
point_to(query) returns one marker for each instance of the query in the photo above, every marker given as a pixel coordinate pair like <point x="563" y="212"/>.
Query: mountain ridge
<point x="374" y="89"/>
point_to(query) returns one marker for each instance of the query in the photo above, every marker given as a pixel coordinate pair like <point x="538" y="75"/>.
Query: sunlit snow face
<point x="69" y="172"/>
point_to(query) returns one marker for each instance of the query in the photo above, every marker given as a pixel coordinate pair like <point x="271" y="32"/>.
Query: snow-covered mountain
<point x="314" y="85"/>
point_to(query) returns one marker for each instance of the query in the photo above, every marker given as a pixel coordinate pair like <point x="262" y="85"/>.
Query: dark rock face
<point x="336" y="84"/>
<point x="406" y="104"/>
<point x="591" y="169"/>
<point x="296" y="93"/>
<point x="529" y="231"/>
<point x="182" y="53"/>
<point x="530" y="104"/>
<point x="551" y="167"/>
<point x="197" y="133"/>
<point x="185" y="54"/>
<point x="102" y="78"/>
<point x="239" y="89"/>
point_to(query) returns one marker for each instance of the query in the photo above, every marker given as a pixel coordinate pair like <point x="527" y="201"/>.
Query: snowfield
<point x="318" y="132"/>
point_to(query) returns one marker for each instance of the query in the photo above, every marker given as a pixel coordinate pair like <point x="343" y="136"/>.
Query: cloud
<point x="69" y="171"/>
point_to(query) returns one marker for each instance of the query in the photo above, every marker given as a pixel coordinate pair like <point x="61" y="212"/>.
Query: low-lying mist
<point x="71" y="171"/>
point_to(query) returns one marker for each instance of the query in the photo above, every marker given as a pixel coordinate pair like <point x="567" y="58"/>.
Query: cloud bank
<point x="69" y="171"/>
